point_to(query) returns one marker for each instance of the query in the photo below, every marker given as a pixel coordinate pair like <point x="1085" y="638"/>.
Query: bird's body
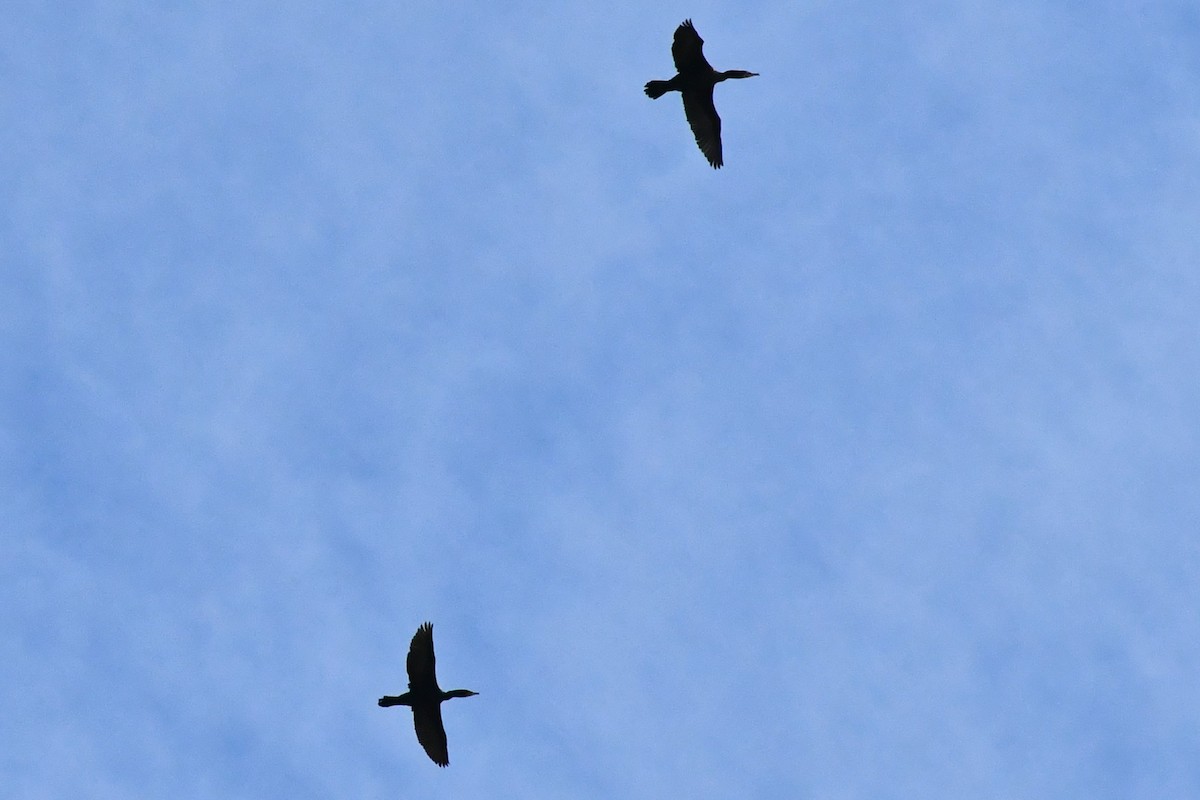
<point x="425" y="697"/>
<point x="695" y="80"/>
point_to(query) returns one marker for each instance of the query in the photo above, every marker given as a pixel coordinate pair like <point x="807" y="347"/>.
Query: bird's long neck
<point x="458" y="693"/>
<point x="734" y="73"/>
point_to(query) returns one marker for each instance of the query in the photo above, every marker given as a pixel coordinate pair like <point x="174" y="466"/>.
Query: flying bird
<point x="695" y="82"/>
<point x="425" y="697"/>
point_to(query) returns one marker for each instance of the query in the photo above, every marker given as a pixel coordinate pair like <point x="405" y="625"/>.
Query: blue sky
<point x="865" y="467"/>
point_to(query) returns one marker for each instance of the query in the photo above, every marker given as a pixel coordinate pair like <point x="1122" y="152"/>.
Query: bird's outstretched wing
<point x="688" y="50"/>
<point x="422" y="670"/>
<point x="706" y="125"/>
<point x="427" y="719"/>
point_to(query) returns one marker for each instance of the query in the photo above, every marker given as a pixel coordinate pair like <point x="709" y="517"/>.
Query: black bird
<point x="695" y="82"/>
<point x="425" y="697"/>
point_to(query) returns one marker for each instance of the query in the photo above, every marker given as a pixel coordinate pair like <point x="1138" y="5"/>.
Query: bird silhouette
<point x="695" y="81"/>
<point x="425" y="697"/>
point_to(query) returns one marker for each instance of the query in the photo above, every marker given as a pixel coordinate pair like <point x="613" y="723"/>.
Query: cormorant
<point x="695" y="82"/>
<point x="425" y="697"/>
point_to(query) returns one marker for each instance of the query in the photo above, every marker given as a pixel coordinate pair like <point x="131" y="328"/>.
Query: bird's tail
<point x="389" y="701"/>
<point x="656" y="89"/>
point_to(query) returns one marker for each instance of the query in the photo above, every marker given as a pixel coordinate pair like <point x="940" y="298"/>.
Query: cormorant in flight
<point x="425" y="697"/>
<point x="695" y="82"/>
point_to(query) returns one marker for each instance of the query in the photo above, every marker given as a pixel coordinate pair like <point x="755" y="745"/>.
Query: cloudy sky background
<point x="866" y="467"/>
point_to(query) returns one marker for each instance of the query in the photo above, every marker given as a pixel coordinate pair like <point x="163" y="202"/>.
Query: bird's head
<point x="460" y="693"/>
<point x="740" y="73"/>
